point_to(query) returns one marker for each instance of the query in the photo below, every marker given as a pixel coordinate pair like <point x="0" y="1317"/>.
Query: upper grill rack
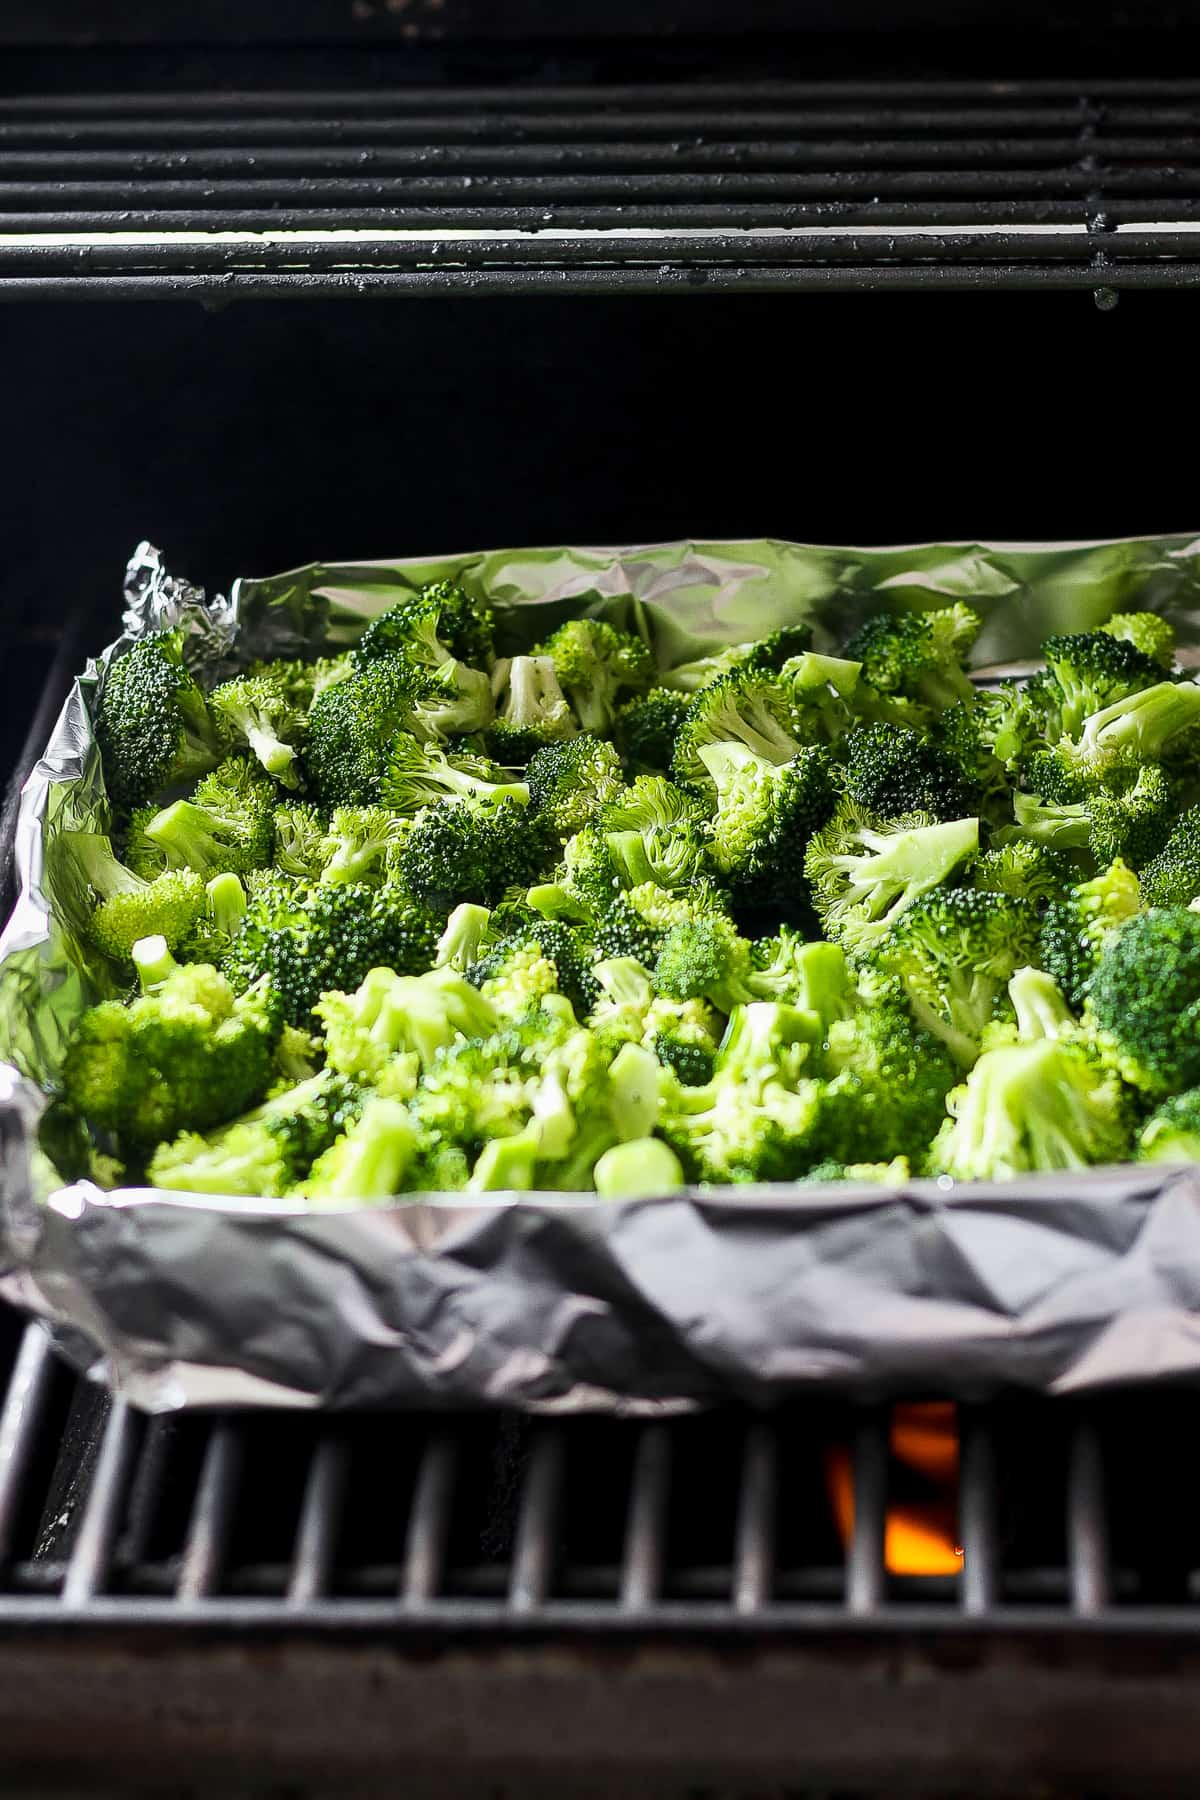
<point x="506" y="189"/>
<point x="484" y="1523"/>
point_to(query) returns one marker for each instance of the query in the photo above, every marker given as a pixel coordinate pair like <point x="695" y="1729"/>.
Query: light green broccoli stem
<point x="628" y="852"/>
<point x="460" y="944"/>
<point x="94" y="858"/>
<point x="811" y="671"/>
<point x="625" y="981"/>
<point x="507" y="1164"/>
<point x="1039" y="1005"/>
<point x="643" y="1168"/>
<point x="1058" y="827"/>
<point x="370" y="1161"/>
<point x="184" y="833"/>
<point x="1140" y="727"/>
<point x="727" y="760"/>
<point x="226" y="901"/>
<point x="276" y="757"/>
<point x="633" y="1079"/>
<point x="822" y="982"/>
<point x="554" y="901"/>
<point x="152" y="962"/>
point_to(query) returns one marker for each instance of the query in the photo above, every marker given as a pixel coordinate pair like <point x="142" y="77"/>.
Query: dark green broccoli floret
<point x="1172" y="1133"/>
<point x="1145" y="997"/>
<point x="269" y="1150"/>
<point x="1026" y="870"/>
<point x="1129" y="818"/>
<point x="646" y="727"/>
<point x="152" y="724"/>
<point x="419" y="775"/>
<point x="184" y="1057"/>
<point x="955" y="951"/>
<point x="532" y="711"/>
<point x="705" y="958"/>
<point x="1077" y="927"/>
<point x="571" y="781"/>
<point x="302" y="680"/>
<point x="917" y="656"/>
<point x="891" y="770"/>
<point x="353" y="725"/>
<point x="461" y="850"/>
<point x="865" y="872"/>
<point x="259" y="712"/>
<point x="886" y="1083"/>
<point x="439" y="623"/>
<point x="570" y="954"/>
<point x="1085" y="673"/>
<point x="227" y="824"/>
<point x="754" y="1121"/>
<point x="1172" y="878"/>
<point x="596" y="664"/>
<point x="742" y="708"/>
<point x="1147" y="632"/>
<point x="766" y="815"/>
<point x="308" y="941"/>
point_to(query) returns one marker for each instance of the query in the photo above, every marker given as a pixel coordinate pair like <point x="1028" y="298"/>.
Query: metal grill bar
<point x="537" y="1524"/>
<point x="754" y="1550"/>
<point x="20" y="1425"/>
<point x="950" y="183"/>
<point x="429" y="1522"/>
<point x="204" y="1555"/>
<point x="90" y="1563"/>
<point x="866" y="1578"/>
<point x="1087" y="1525"/>
<point x="646" y="1528"/>
<point x="977" y="1515"/>
<point x="320" y="1519"/>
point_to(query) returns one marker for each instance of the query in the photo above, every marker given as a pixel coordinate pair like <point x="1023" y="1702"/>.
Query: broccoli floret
<point x="515" y="978"/>
<point x="1084" y="674"/>
<point x="299" y="839"/>
<point x="764" y="656"/>
<point x="227" y="824"/>
<point x="954" y="951"/>
<point x="213" y="932"/>
<point x="419" y="775"/>
<point x="439" y="622"/>
<point x="1026" y="870"/>
<point x="532" y="711"/>
<point x="310" y="941"/>
<point x="683" y="1034"/>
<point x="358" y="843"/>
<point x="706" y="959"/>
<point x="766" y="814"/>
<point x="1145" y="998"/>
<point x="128" y="908"/>
<point x="650" y="803"/>
<point x="571" y="781"/>
<point x="266" y="1152"/>
<point x="186" y="1056"/>
<point x="371" y="1158"/>
<point x="886" y="1084"/>
<point x="457" y="703"/>
<point x="152" y="724"/>
<point x="819" y="696"/>
<point x="1147" y="632"/>
<point x="1077" y="927"/>
<point x="463" y="850"/>
<point x="865" y="872"/>
<point x="569" y="953"/>
<point x="390" y="1015"/>
<point x="1172" y="1132"/>
<point x="1131" y="818"/>
<point x="891" y="771"/>
<point x="646" y="727"/>
<point x="1144" y="728"/>
<point x="646" y="1168"/>
<point x="596" y="664"/>
<point x="352" y="728"/>
<point x="258" y="711"/>
<point x="1034" y="1106"/>
<point x="302" y="680"/>
<point x="461" y="944"/>
<point x="1172" y="877"/>
<point x="730" y="1133"/>
<point x="917" y="656"/>
<point x="742" y="708"/>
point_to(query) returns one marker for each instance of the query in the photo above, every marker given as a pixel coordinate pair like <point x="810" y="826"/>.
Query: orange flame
<point x="920" y="1536"/>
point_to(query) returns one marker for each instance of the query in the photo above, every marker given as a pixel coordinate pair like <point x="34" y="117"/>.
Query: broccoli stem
<point x="460" y="944"/>
<point x="1058" y="827"/>
<point x="226" y="902"/>
<point x="103" y="873"/>
<point x="811" y="670"/>
<point x="625" y="981"/>
<point x="643" y="1168"/>
<point x="1140" y="726"/>
<point x="184" y="832"/>
<point x="507" y="1164"/>
<point x="1040" y="1008"/>
<point x="153" y="962"/>
<point x="371" y="1160"/>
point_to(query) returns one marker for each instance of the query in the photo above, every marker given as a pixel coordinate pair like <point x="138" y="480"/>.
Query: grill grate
<point x="763" y="185"/>
<point x="710" y="1523"/>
